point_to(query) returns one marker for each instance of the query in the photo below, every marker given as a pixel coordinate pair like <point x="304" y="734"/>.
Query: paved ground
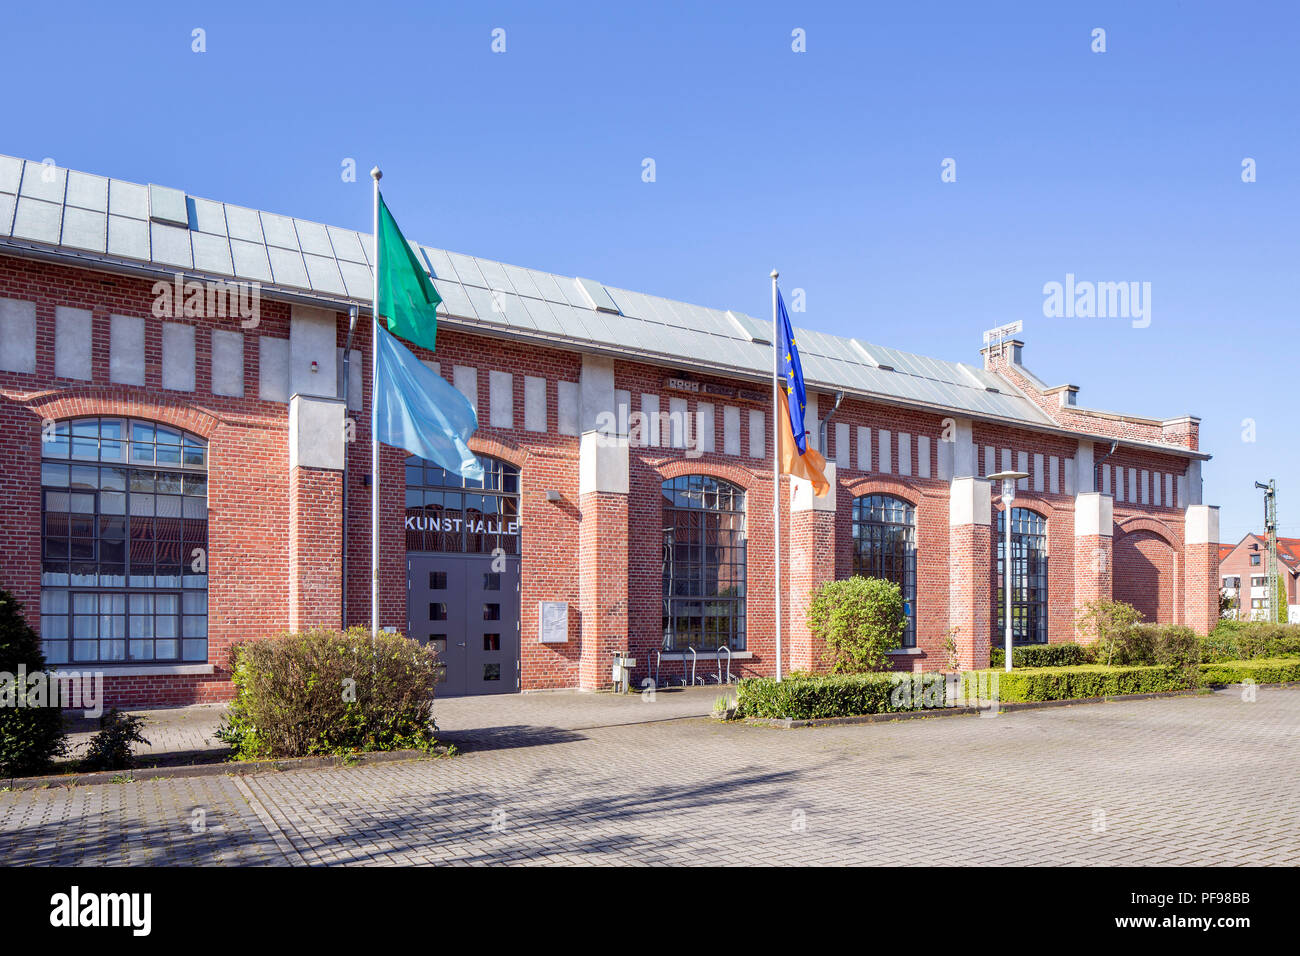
<point x="583" y="779"/>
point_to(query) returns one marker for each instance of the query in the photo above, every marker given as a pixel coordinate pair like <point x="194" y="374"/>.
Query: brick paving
<point x="582" y="779"/>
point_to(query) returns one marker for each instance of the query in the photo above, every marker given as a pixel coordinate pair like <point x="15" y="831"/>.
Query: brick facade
<point x="276" y="535"/>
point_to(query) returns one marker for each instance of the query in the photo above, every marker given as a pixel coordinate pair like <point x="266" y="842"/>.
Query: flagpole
<point x="376" y="175"/>
<point x="776" y="472"/>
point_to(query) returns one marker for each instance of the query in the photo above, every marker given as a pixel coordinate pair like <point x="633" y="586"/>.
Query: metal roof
<point x="163" y="229"/>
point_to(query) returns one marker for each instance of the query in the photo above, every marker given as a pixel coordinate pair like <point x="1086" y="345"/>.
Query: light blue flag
<point x="418" y="410"/>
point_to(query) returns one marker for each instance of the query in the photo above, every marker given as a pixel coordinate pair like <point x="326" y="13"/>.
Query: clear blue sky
<point x="1115" y="166"/>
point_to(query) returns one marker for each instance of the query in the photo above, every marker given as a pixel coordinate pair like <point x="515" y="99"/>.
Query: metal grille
<point x="884" y="546"/>
<point x="1028" y="578"/>
<point x="704" y="564"/>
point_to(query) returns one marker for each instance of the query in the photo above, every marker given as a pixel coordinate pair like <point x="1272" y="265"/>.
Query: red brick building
<point x="184" y="429"/>
<point x="1243" y="576"/>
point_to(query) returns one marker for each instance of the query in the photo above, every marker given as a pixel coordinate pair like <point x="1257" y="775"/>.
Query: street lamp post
<point x="1008" y="479"/>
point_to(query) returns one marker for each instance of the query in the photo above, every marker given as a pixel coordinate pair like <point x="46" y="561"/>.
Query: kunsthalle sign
<point x="457" y="523"/>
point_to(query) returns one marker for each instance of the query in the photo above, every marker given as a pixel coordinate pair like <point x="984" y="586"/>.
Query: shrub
<point x="861" y="621"/>
<point x="1261" y="670"/>
<point x="30" y="736"/>
<point x="1107" y="623"/>
<point x="1073" y="683"/>
<point x="1245" y="640"/>
<point x="808" y="697"/>
<point x="110" y="748"/>
<point x="322" y="692"/>
<point x="1043" y="655"/>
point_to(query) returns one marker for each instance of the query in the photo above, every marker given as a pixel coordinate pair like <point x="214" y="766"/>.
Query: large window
<point x="124" y="514"/>
<point x="445" y="512"/>
<point x="1028" y="578"/>
<point x="884" y="546"/>
<point x="704" y="564"/>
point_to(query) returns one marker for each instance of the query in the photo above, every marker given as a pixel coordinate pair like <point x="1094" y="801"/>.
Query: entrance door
<point x="471" y="615"/>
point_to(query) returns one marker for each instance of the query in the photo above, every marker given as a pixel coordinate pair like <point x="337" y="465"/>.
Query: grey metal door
<point x="470" y="613"/>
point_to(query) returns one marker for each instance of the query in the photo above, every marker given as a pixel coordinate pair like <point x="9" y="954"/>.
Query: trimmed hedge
<point x="812" y="696"/>
<point x="1261" y="670"/>
<point x="1073" y="683"/>
<point x="1043" y="655"/>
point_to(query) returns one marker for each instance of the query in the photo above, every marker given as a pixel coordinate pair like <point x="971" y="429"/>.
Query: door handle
<point x="460" y="643"/>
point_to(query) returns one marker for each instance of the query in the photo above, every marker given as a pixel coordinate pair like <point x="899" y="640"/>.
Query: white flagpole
<point x="376" y="175"/>
<point x="776" y="472"/>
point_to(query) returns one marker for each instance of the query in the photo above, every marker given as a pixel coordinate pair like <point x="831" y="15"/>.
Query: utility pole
<point x="1279" y="615"/>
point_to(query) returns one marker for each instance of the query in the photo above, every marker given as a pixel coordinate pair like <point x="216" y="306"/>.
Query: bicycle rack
<point x="694" y="658"/>
<point x="724" y="647"/>
<point x="659" y="656"/>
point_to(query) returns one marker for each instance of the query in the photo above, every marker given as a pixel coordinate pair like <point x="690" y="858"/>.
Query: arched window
<point x="1028" y="578"/>
<point x="445" y="512"/>
<point x="124" y="526"/>
<point x="884" y="546"/>
<point x="704" y="564"/>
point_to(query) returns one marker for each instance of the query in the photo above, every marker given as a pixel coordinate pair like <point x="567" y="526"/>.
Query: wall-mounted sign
<point x="681" y="385"/>
<point x="553" y="622"/>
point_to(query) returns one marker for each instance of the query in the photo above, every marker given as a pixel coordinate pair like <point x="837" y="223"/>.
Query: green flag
<point x="407" y="297"/>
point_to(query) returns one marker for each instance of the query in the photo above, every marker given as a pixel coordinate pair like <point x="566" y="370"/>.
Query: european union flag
<point x="790" y="374"/>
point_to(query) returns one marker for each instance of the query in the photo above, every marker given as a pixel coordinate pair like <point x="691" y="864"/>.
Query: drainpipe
<point x="821" y="427"/>
<point x="1096" y="467"/>
<point x="347" y="379"/>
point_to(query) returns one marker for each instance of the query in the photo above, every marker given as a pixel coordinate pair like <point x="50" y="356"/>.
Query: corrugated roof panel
<point x="495" y="275"/>
<point x="87" y="191"/>
<point x="37" y="220"/>
<point x="128" y="199"/>
<point x="358" y="279"/>
<point x="346" y="243"/>
<point x="11" y="171"/>
<point x="7" y="204"/>
<point x="572" y="321"/>
<point x="44" y="182"/>
<point x="128" y="237"/>
<point x="313" y="239"/>
<point x="279" y="232"/>
<point x="251" y="261"/>
<point x="522" y="281"/>
<point x="440" y="263"/>
<point x="323" y="271"/>
<point x="467" y="269"/>
<point x="207" y="216"/>
<point x="85" y="229"/>
<point x="548" y="286"/>
<point x="568" y="287"/>
<point x="244" y="224"/>
<point x="212" y="253"/>
<point x="287" y="266"/>
<point x="170" y="245"/>
<point x="485" y="307"/>
<point x="454" y="299"/>
<point x="540" y="312"/>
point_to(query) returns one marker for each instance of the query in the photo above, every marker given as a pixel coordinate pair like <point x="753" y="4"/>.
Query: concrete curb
<point x="788" y="723"/>
<point x="226" y="768"/>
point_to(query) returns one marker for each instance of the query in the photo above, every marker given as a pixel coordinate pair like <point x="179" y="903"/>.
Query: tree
<point x="861" y="621"/>
<point x="30" y="736"/>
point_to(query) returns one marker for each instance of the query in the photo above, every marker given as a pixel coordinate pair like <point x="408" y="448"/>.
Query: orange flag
<point x="810" y="466"/>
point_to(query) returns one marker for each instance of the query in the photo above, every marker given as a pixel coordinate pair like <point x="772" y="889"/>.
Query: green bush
<point x="1261" y="670"/>
<point x="1043" y="655"/>
<point x="1245" y="640"/>
<point x="861" y="621"/>
<point x="808" y="697"/>
<point x="1107" y="624"/>
<point x="31" y="737"/>
<point x="325" y="692"/>
<point x="1073" y="683"/>
<point x="110" y="748"/>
